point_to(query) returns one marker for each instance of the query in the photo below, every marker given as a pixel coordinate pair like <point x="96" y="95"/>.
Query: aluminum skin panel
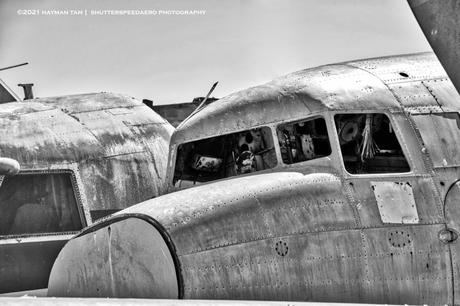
<point x="150" y="275"/>
<point x="395" y="201"/>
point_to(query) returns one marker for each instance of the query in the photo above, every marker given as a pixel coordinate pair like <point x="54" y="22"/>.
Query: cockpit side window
<point x="38" y="203"/>
<point x="303" y="141"/>
<point x="224" y="156"/>
<point x="369" y="144"/>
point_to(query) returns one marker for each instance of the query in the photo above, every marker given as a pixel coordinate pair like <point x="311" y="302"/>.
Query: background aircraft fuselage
<point x="82" y="157"/>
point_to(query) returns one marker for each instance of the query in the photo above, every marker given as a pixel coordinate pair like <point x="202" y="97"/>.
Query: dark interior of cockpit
<point x="303" y="141"/>
<point x="38" y="203"/>
<point x="369" y="144"/>
<point x="224" y="156"/>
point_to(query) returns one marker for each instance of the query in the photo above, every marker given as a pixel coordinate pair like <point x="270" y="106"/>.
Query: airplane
<point x="336" y="183"/>
<point x="65" y="162"/>
<point x="331" y="184"/>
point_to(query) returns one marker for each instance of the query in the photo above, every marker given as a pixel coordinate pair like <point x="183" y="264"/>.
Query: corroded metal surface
<point x="114" y="150"/>
<point x="118" y="144"/>
<point x="228" y="244"/>
<point x="312" y="230"/>
<point x="131" y="276"/>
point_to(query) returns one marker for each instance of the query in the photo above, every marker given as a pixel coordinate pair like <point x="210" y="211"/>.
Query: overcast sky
<point x="173" y="58"/>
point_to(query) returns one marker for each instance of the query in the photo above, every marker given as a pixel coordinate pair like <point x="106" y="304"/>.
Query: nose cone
<point x="125" y="259"/>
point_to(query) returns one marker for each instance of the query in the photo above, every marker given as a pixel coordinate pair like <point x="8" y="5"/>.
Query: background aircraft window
<point x="302" y="141"/>
<point x="225" y="156"/>
<point x="38" y="203"/>
<point x="369" y="144"/>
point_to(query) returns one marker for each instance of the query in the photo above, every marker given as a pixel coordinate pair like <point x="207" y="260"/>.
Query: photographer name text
<point x="148" y="12"/>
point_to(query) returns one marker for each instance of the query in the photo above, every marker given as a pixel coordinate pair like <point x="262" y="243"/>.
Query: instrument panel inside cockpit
<point x="225" y="156"/>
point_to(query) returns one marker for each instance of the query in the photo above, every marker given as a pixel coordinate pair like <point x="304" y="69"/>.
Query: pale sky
<point x="175" y="58"/>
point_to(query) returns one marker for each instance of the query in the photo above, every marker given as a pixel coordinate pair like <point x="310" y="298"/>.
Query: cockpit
<point x="225" y="156"/>
<point x="366" y="142"/>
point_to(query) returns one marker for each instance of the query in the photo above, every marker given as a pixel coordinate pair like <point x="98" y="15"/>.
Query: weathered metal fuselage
<point x="336" y="217"/>
<point x="82" y="157"/>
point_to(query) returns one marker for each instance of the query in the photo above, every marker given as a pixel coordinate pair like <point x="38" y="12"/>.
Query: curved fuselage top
<point x="111" y="141"/>
<point x="355" y="85"/>
<point x="414" y="83"/>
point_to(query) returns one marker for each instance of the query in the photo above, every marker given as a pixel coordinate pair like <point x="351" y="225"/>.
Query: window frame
<point x="399" y="137"/>
<point x="312" y="117"/>
<point x="173" y="155"/>
<point x="78" y="201"/>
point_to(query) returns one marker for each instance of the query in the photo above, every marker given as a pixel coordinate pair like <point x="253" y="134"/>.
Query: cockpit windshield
<point x="224" y="156"/>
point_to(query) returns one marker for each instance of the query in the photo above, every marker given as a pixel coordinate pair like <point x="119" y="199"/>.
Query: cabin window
<point x="369" y="144"/>
<point x="38" y="203"/>
<point x="304" y="140"/>
<point x="224" y="156"/>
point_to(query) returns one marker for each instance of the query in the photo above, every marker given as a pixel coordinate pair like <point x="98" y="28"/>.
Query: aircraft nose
<point x="125" y="259"/>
